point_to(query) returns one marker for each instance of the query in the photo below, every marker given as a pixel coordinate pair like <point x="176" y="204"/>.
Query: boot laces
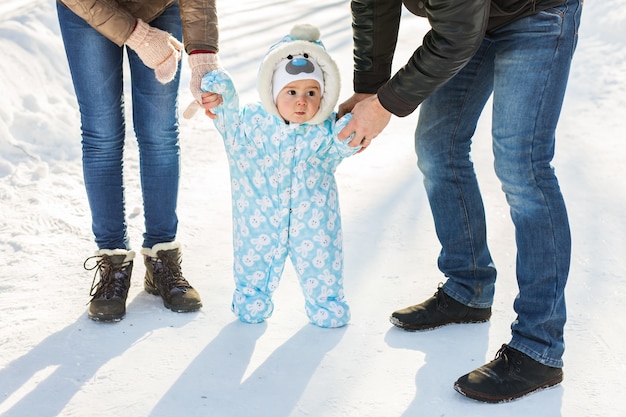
<point x="441" y="299"/>
<point x="112" y="277"/>
<point x="167" y="266"/>
<point x="501" y="354"/>
<point x="505" y="355"/>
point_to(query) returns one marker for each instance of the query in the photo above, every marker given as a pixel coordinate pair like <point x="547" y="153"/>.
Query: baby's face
<point x="299" y="101"/>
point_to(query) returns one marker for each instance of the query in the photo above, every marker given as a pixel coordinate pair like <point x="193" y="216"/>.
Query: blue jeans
<point x="96" y="67"/>
<point x="526" y="66"/>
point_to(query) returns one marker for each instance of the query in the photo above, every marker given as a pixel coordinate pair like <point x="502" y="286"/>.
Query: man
<point x="521" y="52"/>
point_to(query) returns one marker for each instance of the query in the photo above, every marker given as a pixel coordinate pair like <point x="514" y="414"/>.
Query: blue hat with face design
<point x="293" y="68"/>
<point x="299" y="56"/>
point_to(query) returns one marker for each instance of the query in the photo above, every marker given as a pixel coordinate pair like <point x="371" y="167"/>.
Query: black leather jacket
<point x="457" y="29"/>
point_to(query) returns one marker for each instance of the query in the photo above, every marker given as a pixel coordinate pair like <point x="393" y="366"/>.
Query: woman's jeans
<point x="96" y="67"/>
<point x="526" y="66"/>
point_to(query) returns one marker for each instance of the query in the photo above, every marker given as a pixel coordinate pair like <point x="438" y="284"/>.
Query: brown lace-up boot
<point x="164" y="277"/>
<point x="114" y="268"/>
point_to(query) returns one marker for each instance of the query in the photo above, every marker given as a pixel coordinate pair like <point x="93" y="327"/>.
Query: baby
<point x="283" y="153"/>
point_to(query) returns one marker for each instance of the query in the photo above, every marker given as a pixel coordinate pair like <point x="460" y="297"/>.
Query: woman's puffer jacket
<point x="116" y="19"/>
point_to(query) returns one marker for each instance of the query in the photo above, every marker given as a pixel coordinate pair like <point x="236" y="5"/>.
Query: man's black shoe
<point x="439" y="310"/>
<point x="509" y="376"/>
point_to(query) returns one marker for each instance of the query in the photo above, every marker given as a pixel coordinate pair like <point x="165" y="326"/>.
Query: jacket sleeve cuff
<point x="368" y="82"/>
<point x="393" y="103"/>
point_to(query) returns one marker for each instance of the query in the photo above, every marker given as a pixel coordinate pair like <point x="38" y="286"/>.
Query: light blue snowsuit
<point x="285" y="202"/>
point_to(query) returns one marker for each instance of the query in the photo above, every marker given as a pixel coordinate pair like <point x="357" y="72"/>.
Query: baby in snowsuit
<point x="283" y="153"/>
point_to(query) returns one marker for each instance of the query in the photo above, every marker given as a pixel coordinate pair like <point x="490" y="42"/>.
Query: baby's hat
<point x="300" y="55"/>
<point x="301" y="67"/>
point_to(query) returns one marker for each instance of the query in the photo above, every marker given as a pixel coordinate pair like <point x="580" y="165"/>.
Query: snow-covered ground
<point x="55" y="361"/>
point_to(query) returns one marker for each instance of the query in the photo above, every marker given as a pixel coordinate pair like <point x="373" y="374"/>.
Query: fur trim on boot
<point x="153" y="251"/>
<point x="130" y="255"/>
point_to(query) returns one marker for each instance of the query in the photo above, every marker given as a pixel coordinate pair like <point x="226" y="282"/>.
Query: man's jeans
<point x="526" y="66"/>
<point x="97" y="73"/>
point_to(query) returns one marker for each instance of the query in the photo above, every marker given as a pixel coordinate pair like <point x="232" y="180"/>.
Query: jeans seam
<point x="459" y="189"/>
<point x="537" y="184"/>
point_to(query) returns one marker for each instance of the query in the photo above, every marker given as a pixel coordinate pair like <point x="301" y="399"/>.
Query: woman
<point x="95" y="34"/>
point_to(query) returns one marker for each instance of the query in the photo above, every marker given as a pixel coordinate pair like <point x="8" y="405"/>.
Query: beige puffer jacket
<point x="116" y="19"/>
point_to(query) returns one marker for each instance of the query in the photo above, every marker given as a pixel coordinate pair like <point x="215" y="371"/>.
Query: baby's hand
<point x="217" y="82"/>
<point x="345" y="149"/>
<point x="341" y="123"/>
<point x="211" y="101"/>
<point x="213" y="85"/>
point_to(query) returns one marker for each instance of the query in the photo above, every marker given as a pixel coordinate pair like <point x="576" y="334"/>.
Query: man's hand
<point x="369" y="118"/>
<point x="347" y="106"/>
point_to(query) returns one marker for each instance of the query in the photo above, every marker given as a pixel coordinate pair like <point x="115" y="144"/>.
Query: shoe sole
<point x="476" y="396"/>
<point x="184" y="309"/>
<point x="409" y="328"/>
<point x="106" y="319"/>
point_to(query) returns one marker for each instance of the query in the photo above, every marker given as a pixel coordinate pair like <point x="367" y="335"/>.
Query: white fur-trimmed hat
<point x="302" y="42"/>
